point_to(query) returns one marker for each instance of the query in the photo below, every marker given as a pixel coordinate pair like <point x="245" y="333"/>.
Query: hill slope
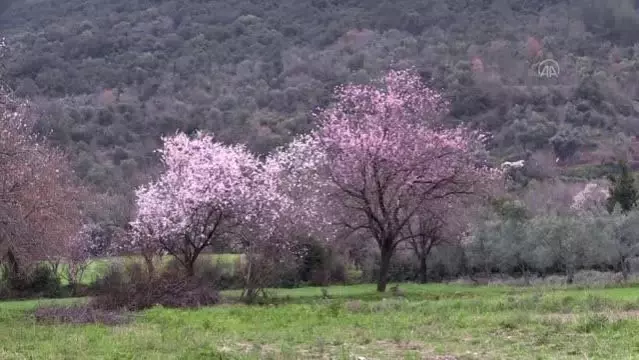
<point x="112" y="76"/>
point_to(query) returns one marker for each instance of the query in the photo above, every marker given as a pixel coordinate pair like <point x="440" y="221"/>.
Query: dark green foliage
<point x="566" y="142"/>
<point x="40" y="281"/>
<point x="623" y="190"/>
<point x="319" y="265"/>
<point x="510" y="210"/>
<point x="110" y="82"/>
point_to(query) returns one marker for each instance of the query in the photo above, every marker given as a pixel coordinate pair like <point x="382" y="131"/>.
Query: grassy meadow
<point x="435" y="321"/>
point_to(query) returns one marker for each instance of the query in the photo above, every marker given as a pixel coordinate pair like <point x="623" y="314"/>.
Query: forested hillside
<point x="110" y="77"/>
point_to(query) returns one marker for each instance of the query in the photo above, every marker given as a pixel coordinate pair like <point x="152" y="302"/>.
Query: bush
<point x="41" y="281"/>
<point x="132" y="289"/>
<point x="288" y="278"/>
<point x="318" y="266"/>
<point x="597" y="278"/>
<point x="354" y="276"/>
<point x="225" y="276"/>
<point x="315" y="263"/>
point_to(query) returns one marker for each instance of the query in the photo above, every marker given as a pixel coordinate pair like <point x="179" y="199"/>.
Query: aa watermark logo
<point x="548" y="69"/>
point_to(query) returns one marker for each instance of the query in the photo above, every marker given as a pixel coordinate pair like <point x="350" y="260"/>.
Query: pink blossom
<point x="384" y="156"/>
<point x="209" y="193"/>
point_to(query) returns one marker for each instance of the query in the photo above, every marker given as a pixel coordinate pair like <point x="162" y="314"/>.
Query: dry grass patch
<point x="575" y="317"/>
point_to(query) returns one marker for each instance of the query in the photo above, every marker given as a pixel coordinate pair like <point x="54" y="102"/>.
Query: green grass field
<point x="489" y="322"/>
<point x="99" y="267"/>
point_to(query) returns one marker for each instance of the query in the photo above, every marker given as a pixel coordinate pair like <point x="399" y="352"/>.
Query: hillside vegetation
<point x="112" y="76"/>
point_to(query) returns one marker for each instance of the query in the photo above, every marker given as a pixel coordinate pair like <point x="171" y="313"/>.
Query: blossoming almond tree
<point x="39" y="194"/>
<point x="298" y="171"/>
<point x="201" y="198"/>
<point x="385" y="158"/>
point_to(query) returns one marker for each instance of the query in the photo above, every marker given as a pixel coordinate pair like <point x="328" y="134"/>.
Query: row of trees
<point x="555" y="243"/>
<point x="378" y="166"/>
<point x="379" y="169"/>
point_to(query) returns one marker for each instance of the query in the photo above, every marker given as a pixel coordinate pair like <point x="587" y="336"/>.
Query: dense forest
<point x="110" y="77"/>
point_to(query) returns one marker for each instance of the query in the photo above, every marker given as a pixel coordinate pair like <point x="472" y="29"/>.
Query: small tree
<point x="141" y="239"/>
<point x="499" y="239"/>
<point x="79" y="253"/>
<point x="430" y="228"/>
<point x="623" y="190"/>
<point x="625" y="239"/>
<point x="266" y="229"/>
<point x="590" y="198"/>
<point x="425" y="233"/>
<point x="565" y="241"/>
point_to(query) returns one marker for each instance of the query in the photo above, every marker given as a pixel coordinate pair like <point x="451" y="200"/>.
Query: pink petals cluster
<point x="387" y="136"/>
<point x="208" y="191"/>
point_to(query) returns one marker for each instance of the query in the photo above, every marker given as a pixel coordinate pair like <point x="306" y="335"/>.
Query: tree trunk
<point x="190" y="268"/>
<point x="423" y="270"/>
<point x="14" y="267"/>
<point x="248" y="293"/>
<point x="624" y="269"/>
<point x="150" y="268"/>
<point x="570" y="276"/>
<point x="383" y="270"/>
<point x="524" y="271"/>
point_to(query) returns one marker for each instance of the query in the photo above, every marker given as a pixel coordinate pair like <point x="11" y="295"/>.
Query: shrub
<point x="224" y="275"/>
<point x="596" y="278"/>
<point x="403" y="267"/>
<point x="315" y="264"/>
<point x="41" y="281"/>
<point x="288" y="277"/>
<point x="318" y="266"/>
<point x="354" y="276"/>
<point x="130" y="288"/>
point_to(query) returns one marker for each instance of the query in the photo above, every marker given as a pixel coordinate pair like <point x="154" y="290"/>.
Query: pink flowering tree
<point x="385" y="158"/>
<point x="262" y="234"/>
<point x="201" y="199"/>
<point x="299" y="174"/>
<point x="140" y="238"/>
<point x="79" y="250"/>
<point x="286" y="205"/>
